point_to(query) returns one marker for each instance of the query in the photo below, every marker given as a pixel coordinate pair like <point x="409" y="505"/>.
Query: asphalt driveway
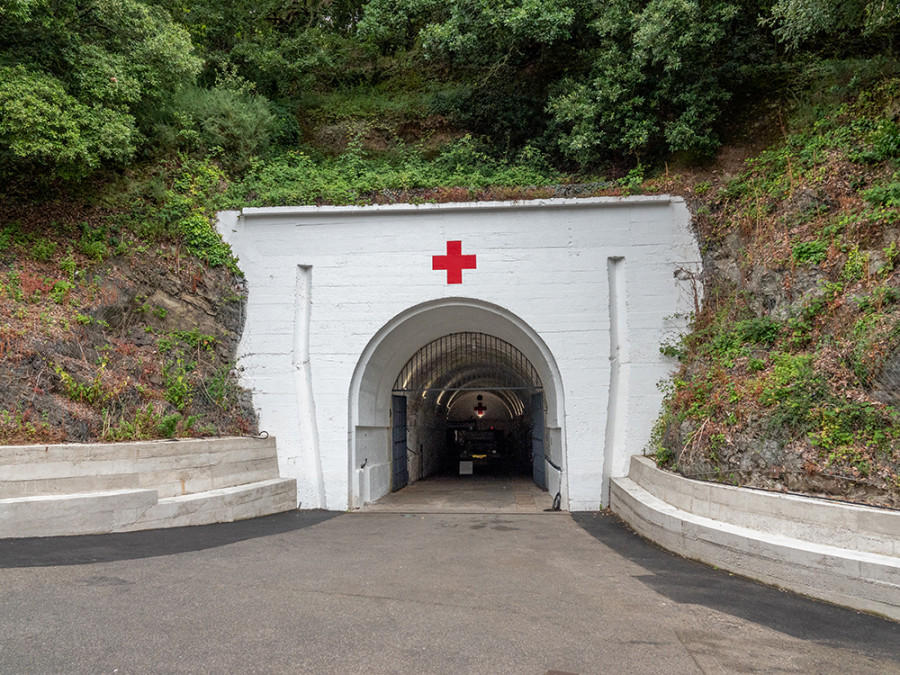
<point x="318" y="592"/>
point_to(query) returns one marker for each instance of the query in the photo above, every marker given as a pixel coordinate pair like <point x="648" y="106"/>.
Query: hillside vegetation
<point x="126" y="124"/>
<point x="791" y="376"/>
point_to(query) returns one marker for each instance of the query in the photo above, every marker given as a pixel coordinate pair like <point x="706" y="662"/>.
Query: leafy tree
<point x="660" y="78"/>
<point x="393" y="25"/>
<point x="87" y="83"/>
<point x="798" y="22"/>
<point x="498" y="56"/>
<point x="223" y="120"/>
<point x="481" y="31"/>
<point x="82" y="79"/>
<point x="284" y="47"/>
<point x="42" y="126"/>
<point x="591" y="79"/>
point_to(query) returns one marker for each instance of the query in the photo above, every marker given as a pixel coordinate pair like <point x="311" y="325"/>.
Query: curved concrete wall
<point x="843" y="553"/>
<point x="58" y="490"/>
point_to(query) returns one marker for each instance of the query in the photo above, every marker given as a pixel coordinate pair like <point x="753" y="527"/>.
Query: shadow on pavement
<point x="93" y="548"/>
<point x="689" y="582"/>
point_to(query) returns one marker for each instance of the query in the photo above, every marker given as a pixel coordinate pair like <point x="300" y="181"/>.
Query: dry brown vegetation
<point x="107" y="336"/>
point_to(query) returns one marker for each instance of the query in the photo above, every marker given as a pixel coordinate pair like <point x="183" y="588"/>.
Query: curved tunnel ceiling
<point x="494" y="406"/>
<point x="467" y="361"/>
<point x="454" y="364"/>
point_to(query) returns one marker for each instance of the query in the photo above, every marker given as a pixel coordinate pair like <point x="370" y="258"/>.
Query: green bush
<point x="92" y="245"/>
<point x="68" y="264"/>
<point x="8" y="237"/>
<point x="885" y="142"/>
<point x="295" y="178"/>
<point x="203" y="241"/>
<point x="810" y="252"/>
<point x="883" y="195"/>
<point x="144" y="425"/>
<point x="43" y="249"/>
<point x="856" y="266"/>
<point x="235" y="125"/>
<point x="44" y="129"/>
<point x="763" y="330"/>
<point x="794" y="389"/>
<point x="168" y="425"/>
<point x="60" y="291"/>
<point x="177" y="382"/>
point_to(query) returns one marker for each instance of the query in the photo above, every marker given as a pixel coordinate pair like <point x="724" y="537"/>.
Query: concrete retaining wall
<point x="95" y="488"/>
<point x="842" y="553"/>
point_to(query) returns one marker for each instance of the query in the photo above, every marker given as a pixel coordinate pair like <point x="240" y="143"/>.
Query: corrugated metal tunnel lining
<point x="463" y="361"/>
<point x="446" y="368"/>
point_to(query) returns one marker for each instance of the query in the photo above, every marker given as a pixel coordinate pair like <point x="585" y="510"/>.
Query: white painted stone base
<point x="841" y="553"/>
<point x="60" y="490"/>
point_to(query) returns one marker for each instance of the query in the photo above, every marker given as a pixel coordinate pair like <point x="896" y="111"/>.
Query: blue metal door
<point x="400" y="475"/>
<point x="539" y="468"/>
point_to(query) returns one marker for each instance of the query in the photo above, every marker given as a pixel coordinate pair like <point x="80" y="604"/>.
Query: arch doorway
<point x="433" y="382"/>
<point x="467" y="403"/>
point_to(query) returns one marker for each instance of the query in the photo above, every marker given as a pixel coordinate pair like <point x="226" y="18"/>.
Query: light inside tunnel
<point x="469" y="397"/>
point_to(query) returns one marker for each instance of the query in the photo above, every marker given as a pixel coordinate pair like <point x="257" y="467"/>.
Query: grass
<point x="357" y="176"/>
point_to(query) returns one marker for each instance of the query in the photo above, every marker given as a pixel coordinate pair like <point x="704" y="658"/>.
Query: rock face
<point x="144" y="348"/>
<point x="886" y="385"/>
<point x="791" y="377"/>
<point x="210" y="301"/>
<point x="775" y="290"/>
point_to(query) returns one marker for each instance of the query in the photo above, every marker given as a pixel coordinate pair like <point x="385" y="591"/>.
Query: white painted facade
<point x="341" y="297"/>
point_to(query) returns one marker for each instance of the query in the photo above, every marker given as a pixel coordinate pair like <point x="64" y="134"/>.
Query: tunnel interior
<point x="473" y="406"/>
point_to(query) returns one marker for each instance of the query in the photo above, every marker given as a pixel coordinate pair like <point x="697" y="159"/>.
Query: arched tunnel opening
<point x="467" y="404"/>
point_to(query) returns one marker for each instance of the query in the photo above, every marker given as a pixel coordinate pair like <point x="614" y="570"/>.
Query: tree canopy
<point x="91" y="83"/>
<point x="80" y="81"/>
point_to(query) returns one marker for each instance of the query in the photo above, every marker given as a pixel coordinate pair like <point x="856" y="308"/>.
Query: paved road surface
<point x="314" y="592"/>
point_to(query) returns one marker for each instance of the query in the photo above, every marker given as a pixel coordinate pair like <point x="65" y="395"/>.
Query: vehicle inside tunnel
<point x="467" y="404"/>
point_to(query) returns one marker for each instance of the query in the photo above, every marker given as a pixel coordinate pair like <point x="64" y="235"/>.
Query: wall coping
<point x="253" y="212"/>
<point x="852" y="526"/>
<point x="190" y="443"/>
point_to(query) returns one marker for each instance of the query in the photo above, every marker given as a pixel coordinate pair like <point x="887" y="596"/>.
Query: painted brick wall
<point x="323" y="281"/>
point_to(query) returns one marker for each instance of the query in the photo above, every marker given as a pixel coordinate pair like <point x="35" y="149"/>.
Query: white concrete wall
<point x="94" y="488"/>
<point x="325" y="282"/>
<point x="847" y="554"/>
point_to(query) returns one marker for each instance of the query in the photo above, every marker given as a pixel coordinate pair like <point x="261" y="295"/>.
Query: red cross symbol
<point x="480" y="409"/>
<point x="454" y="262"/>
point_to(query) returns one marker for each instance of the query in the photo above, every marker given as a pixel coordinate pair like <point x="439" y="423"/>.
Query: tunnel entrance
<point x="467" y="404"/>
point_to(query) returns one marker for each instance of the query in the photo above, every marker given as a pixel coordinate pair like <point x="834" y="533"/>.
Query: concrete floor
<point x="319" y="592"/>
<point x="466" y="494"/>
